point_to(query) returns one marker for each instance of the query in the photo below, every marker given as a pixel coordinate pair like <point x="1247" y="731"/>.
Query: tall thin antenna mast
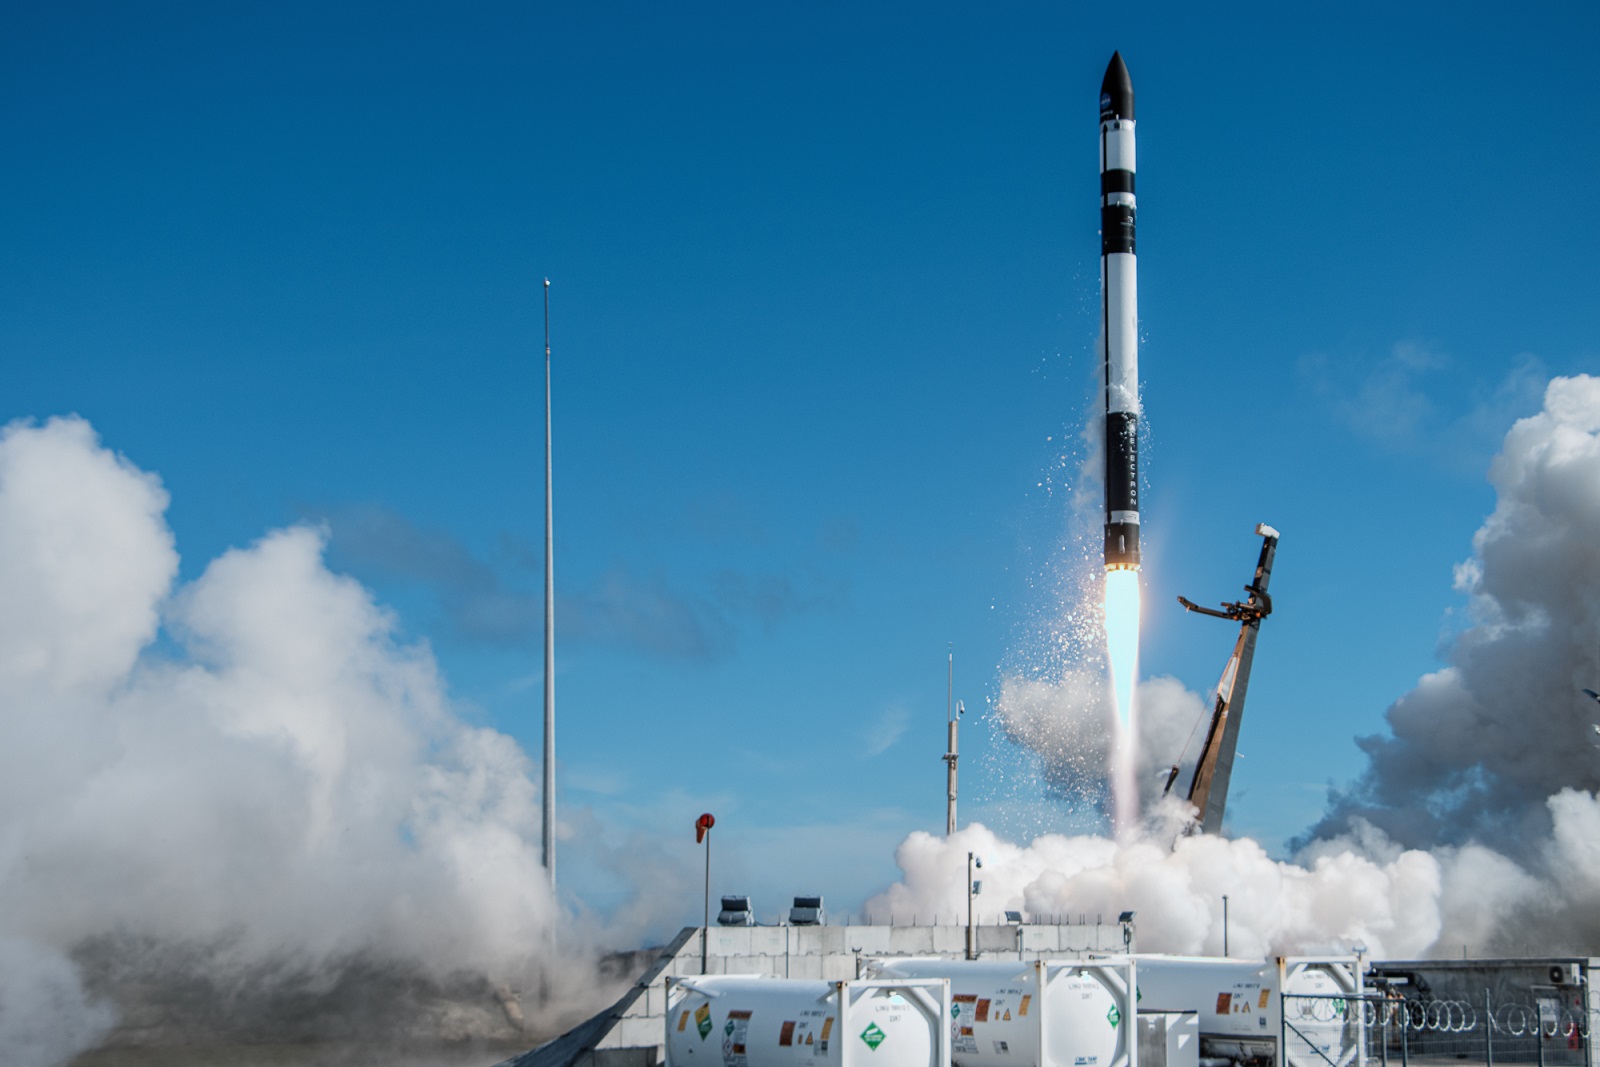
<point x="549" y="621"/>
<point x="953" y="718"/>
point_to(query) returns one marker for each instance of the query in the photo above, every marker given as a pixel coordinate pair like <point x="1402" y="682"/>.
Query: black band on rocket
<point x="1122" y="544"/>
<point x="1116" y="229"/>
<point x="1116" y="181"/>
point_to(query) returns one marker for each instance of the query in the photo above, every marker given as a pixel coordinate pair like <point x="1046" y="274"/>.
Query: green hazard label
<point x="729" y="1028"/>
<point x="873" y="1036"/>
<point x="702" y="1021"/>
<point x="1113" y="1016"/>
<point x="955" y="1011"/>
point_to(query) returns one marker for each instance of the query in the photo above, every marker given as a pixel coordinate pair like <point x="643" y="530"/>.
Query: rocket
<point x="1119" y="316"/>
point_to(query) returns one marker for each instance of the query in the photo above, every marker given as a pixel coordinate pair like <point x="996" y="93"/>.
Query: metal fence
<point x="1536" y="1028"/>
<point x="1322" y="1031"/>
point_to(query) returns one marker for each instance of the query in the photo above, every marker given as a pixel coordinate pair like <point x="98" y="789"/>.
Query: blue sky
<point x="825" y="300"/>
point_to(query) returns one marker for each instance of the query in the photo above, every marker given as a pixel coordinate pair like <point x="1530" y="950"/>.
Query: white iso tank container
<point x="1244" y="1014"/>
<point x="1046" y="1013"/>
<point x="754" y="1021"/>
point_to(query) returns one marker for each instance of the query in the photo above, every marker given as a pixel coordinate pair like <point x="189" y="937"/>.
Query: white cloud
<point x="885" y="730"/>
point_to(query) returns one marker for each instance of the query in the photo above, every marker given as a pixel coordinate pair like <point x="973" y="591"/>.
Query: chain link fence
<point x="1539" y="1026"/>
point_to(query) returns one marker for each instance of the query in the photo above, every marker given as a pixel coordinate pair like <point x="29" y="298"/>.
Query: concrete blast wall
<point x="631" y="1033"/>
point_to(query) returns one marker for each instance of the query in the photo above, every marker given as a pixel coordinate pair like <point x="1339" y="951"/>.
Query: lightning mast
<point x="549" y="621"/>
<point x="953" y="711"/>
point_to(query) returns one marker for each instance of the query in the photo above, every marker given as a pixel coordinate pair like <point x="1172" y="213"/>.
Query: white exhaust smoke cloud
<point x="1475" y="827"/>
<point x="1068" y="721"/>
<point x="243" y="777"/>
<point x="1177" y="892"/>
<point x="1355" y="891"/>
<point x="1476" y="749"/>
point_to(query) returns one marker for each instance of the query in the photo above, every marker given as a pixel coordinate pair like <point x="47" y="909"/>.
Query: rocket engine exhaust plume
<point x="1122" y="654"/>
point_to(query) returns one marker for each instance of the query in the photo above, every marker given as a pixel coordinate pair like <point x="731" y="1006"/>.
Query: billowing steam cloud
<point x="1477" y="747"/>
<point x="1177" y="892"/>
<point x="241" y="778"/>
<point x="1476" y="825"/>
<point x="1361" y="890"/>
<point x="1065" y="720"/>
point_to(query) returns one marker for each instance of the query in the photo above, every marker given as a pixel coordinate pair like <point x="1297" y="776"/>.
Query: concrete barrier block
<point x="831" y="940"/>
<point x="911" y="940"/>
<point x="767" y="940"/>
<point x="867" y="940"/>
<point x="806" y="966"/>
<point x="838" y="968"/>
<point x="996" y="939"/>
<point x="731" y="940"/>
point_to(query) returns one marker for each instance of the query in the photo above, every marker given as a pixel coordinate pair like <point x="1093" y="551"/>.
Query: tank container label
<point x="734" y="1033"/>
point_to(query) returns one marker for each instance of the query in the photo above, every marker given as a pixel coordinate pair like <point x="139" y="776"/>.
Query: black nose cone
<point x="1116" y="91"/>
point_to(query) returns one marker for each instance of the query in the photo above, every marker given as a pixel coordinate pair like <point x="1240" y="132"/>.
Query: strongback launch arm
<point x="1209" y="790"/>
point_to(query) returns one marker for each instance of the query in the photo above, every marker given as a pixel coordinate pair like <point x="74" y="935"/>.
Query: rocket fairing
<point x="1119" y="316"/>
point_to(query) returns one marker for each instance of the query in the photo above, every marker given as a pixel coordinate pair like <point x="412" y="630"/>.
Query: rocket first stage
<point x="1119" y="316"/>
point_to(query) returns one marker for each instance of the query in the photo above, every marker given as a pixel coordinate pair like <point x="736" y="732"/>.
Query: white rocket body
<point x="1119" y="315"/>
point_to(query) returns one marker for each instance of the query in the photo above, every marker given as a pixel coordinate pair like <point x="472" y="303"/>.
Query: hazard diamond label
<point x="702" y="1021"/>
<point x="1113" y="1016"/>
<point x="873" y="1036"/>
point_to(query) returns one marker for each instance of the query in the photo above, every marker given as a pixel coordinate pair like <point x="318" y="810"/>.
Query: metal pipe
<point x="969" y="907"/>
<point x="1586" y="1031"/>
<point x="952" y="752"/>
<point x="1405" y="1041"/>
<point x="1488" y="1029"/>
<point x="549" y="620"/>
<point x="705" y="931"/>
<point x="1385" y="1010"/>
<point x="950" y="757"/>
